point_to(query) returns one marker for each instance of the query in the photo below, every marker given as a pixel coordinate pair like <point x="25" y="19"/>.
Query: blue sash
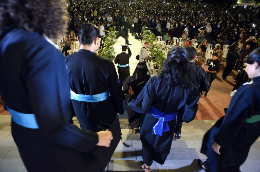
<point x="89" y="98"/>
<point x="23" y="119"/>
<point x="119" y="65"/>
<point x="162" y="125"/>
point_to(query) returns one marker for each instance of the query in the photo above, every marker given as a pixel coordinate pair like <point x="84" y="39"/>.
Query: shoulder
<point x="105" y="61"/>
<point x="249" y="91"/>
<point x="29" y="42"/>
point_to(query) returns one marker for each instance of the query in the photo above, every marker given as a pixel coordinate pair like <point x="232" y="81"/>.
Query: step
<point x="132" y="165"/>
<point x="172" y="166"/>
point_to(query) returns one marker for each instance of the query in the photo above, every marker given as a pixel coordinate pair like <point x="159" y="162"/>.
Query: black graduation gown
<point x="168" y="99"/>
<point x="231" y="61"/>
<point x="199" y="79"/>
<point x="34" y="80"/>
<point x="123" y="59"/>
<point x="234" y="134"/>
<point x="134" y="118"/>
<point x="89" y="75"/>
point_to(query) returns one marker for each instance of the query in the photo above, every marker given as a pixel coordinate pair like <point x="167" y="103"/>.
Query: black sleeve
<point x="204" y="81"/>
<point x="145" y="98"/>
<point x="129" y="52"/>
<point x="47" y="82"/>
<point x="116" y="89"/>
<point x="116" y="60"/>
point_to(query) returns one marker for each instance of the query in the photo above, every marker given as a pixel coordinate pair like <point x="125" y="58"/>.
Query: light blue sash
<point x="119" y="65"/>
<point x="23" y="119"/>
<point x="162" y="125"/>
<point x="89" y="98"/>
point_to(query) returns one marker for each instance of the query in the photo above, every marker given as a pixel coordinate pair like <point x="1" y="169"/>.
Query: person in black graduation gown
<point x="228" y="142"/>
<point x="136" y="84"/>
<point x="199" y="78"/>
<point x="96" y="96"/>
<point x="122" y="60"/>
<point x="162" y="97"/>
<point x="35" y="85"/>
<point x="232" y="57"/>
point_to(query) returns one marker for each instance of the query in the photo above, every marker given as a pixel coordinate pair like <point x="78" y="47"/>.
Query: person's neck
<point x="90" y="47"/>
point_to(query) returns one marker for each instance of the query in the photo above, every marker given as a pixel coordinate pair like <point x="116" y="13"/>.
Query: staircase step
<point x="12" y="165"/>
<point x="169" y="165"/>
<point x="190" y="165"/>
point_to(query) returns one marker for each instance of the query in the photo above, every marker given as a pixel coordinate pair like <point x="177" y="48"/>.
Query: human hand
<point x="216" y="147"/>
<point x="130" y="91"/>
<point x="104" y="138"/>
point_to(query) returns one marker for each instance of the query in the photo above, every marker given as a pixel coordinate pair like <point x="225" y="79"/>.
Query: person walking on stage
<point x="96" y="96"/>
<point x="132" y="86"/>
<point x="35" y="86"/>
<point x="232" y="57"/>
<point x="159" y="101"/>
<point x="122" y="60"/>
<point x="199" y="78"/>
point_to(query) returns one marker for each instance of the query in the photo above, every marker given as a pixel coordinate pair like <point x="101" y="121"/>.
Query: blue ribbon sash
<point x="23" y="119"/>
<point x="89" y="98"/>
<point x="162" y="125"/>
<point x="119" y="65"/>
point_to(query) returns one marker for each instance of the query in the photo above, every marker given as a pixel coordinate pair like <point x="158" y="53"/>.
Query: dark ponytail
<point x="175" y="68"/>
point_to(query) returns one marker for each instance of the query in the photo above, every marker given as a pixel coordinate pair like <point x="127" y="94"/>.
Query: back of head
<point x="124" y="48"/>
<point x="48" y="17"/>
<point x="191" y="53"/>
<point x="140" y="70"/>
<point x="175" y="68"/>
<point x="87" y="33"/>
<point x="253" y="57"/>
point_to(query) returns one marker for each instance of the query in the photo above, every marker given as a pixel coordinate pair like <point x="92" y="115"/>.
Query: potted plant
<point x="108" y="51"/>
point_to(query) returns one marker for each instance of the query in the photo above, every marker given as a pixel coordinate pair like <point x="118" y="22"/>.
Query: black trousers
<point x="227" y="70"/>
<point x="147" y="159"/>
<point x="212" y="77"/>
<point x="179" y="122"/>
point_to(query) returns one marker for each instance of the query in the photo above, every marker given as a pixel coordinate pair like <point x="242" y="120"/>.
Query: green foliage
<point x="148" y="36"/>
<point x="156" y="49"/>
<point x="108" y="51"/>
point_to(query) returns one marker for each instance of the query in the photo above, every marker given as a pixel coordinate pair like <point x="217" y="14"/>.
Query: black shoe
<point x="205" y="95"/>
<point x="224" y="78"/>
<point x="177" y="135"/>
<point x="137" y="130"/>
<point x="200" y="163"/>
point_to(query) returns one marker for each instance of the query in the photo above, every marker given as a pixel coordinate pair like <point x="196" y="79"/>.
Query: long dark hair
<point x="47" y="17"/>
<point x="175" y="68"/>
<point x="140" y="70"/>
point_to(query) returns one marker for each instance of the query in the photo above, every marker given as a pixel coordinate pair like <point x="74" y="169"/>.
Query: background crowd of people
<point x="222" y="24"/>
